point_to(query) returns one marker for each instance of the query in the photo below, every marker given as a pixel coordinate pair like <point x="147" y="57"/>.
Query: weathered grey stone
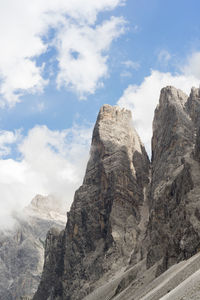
<point x="130" y="221"/>
<point x="22" y="249"/>
<point x="173" y="230"/>
<point x="103" y="225"/>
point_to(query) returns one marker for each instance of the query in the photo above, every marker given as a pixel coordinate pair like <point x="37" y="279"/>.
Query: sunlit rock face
<point x="22" y="248"/>
<point x="104" y="224"/>
<point x="132" y="220"/>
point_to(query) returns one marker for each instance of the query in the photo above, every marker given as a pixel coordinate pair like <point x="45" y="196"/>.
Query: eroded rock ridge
<point x="131" y="220"/>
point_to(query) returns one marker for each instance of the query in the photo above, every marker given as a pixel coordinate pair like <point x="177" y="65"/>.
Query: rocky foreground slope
<point x="22" y="248"/>
<point x="132" y="220"/>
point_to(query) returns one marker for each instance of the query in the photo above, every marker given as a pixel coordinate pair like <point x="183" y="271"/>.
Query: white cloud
<point x="192" y="67"/>
<point x="125" y="74"/>
<point x="83" y="72"/>
<point x="131" y="64"/>
<point x="142" y="99"/>
<point x="40" y="107"/>
<point x="7" y="138"/>
<point x="52" y="162"/>
<point x="23" y="26"/>
<point x="136" y="29"/>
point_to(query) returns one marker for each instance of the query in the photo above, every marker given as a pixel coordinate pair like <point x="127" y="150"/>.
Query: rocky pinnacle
<point x="173" y="229"/>
<point x="103" y="226"/>
<point x="130" y="220"/>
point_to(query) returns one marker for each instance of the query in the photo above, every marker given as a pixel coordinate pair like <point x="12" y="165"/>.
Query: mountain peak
<point x="114" y="113"/>
<point x="47" y="207"/>
<point x="46" y="203"/>
<point x="195" y="92"/>
<point x="114" y="130"/>
<point x="105" y="217"/>
<point x="170" y="94"/>
<point x="130" y="220"/>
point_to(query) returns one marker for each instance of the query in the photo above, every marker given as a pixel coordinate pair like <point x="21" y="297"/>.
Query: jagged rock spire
<point x="103" y="228"/>
<point x="108" y="228"/>
<point x="172" y="229"/>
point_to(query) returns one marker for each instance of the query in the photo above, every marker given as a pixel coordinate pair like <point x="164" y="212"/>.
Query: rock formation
<point x="22" y="248"/>
<point x="131" y="220"/>
<point x="105" y="222"/>
<point x="175" y="181"/>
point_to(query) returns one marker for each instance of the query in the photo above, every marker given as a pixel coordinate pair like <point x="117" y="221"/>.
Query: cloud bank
<point x="28" y="30"/>
<point x="51" y="162"/>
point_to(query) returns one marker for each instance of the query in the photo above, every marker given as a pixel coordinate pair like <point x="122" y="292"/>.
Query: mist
<point x="48" y="163"/>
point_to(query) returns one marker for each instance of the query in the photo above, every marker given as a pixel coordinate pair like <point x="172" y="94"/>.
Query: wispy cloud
<point x="131" y="64"/>
<point x="40" y="107"/>
<point x="126" y="74"/>
<point x="164" y="57"/>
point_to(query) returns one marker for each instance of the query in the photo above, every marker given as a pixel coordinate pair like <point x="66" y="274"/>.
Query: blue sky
<point x="61" y="60"/>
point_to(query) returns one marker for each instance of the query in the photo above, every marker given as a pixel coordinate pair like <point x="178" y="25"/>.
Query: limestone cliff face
<point x="22" y="248"/>
<point x="104" y="223"/>
<point x="173" y="229"/>
<point x="131" y="220"/>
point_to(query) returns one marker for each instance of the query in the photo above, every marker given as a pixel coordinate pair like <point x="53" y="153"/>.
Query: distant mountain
<point x="133" y="231"/>
<point x="22" y="249"/>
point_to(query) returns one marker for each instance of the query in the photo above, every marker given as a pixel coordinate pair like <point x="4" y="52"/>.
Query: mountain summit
<point x="131" y="220"/>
